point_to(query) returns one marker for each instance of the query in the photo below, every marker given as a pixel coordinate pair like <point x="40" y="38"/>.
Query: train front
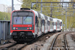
<point x="22" y="25"/>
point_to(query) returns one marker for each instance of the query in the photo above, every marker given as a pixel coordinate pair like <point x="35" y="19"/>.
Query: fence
<point x="4" y="30"/>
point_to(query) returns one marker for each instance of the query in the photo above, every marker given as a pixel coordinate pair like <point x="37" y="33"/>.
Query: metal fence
<point x="4" y="30"/>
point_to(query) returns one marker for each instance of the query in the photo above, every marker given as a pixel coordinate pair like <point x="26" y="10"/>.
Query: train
<point x="27" y="24"/>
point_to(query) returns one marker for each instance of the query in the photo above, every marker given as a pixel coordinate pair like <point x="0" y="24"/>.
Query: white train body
<point x="39" y="24"/>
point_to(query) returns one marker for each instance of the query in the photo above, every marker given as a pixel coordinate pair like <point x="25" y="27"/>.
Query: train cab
<point x="25" y="25"/>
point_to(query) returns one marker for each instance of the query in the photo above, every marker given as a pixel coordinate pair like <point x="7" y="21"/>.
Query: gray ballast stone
<point x="71" y="43"/>
<point x="48" y="42"/>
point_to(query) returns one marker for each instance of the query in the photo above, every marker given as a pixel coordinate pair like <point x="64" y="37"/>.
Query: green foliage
<point x="4" y="15"/>
<point x="61" y="14"/>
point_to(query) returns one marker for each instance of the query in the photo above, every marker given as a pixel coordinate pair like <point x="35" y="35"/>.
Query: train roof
<point x="42" y="16"/>
<point x="60" y="20"/>
<point x="36" y="14"/>
<point x="55" y="19"/>
<point x="48" y="18"/>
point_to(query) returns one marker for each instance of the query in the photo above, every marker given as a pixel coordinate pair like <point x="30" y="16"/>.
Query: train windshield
<point x="27" y="20"/>
<point x="17" y="20"/>
<point x="22" y="18"/>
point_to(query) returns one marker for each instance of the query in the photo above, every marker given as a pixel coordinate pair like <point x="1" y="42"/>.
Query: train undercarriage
<point x="22" y="36"/>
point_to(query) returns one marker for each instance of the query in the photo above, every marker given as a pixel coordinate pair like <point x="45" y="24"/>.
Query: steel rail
<point x="22" y="46"/>
<point x="65" y="43"/>
<point x="5" y="48"/>
<point x="51" y="48"/>
<point x="13" y="47"/>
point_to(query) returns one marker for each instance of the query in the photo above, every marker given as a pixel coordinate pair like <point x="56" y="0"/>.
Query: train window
<point x="43" y="22"/>
<point x="48" y="22"/>
<point x="46" y="17"/>
<point x="17" y="20"/>
<point x="27" y="20"/>
<point x="58" y="23"/>
<point x="61" y="24"/>
<point x="53" y="23"/>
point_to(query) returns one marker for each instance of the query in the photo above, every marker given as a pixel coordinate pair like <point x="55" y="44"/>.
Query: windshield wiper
<point x="26" y="17"/>
<point x="16" y="20"/>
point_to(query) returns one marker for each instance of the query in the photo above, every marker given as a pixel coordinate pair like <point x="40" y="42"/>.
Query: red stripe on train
<point x="22" y="25"/>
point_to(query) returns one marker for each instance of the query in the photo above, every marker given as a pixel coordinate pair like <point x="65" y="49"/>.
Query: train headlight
<point x="10" y="33"/>
<point x="14" y="28"/>
<point x="30" y="28"/>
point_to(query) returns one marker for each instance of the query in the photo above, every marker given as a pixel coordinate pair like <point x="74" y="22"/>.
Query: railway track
<point x="65" y="43"/>
<point x="37" y="45"/>
<point x="51" y="48"/>
<point x="7" y="45"/>
<point x="56" y="47"/>
<point x="13" y="46"/>
<point x="17" y="47"/>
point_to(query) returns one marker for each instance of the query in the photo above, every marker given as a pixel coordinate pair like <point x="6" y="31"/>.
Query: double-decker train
<point x="27" y="24"/>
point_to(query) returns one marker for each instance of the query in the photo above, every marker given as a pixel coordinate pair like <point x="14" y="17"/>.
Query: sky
<point x="9" y="3"/>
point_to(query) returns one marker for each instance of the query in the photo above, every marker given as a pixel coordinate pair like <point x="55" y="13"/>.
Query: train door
<point x="61" y="25"/>
<point x="51" y="26"/>
<point x="43" y="24"/>
<point x="46" y="26"/>
<point x="39" y="24"/>
<point x="36" y="25"/>
<point x="48" y="23"/>
<point x="58" y="25"/>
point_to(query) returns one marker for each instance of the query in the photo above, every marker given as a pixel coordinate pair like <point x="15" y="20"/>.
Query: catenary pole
<point x="41" y="6"/>
<point x="12" y="5"/>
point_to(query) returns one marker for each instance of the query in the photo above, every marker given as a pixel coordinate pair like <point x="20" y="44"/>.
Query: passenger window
<point x="48" y="22"/>
<point x="61" y="24"/>
<point x="53" y="23"/>
<point x="43" y="22"/>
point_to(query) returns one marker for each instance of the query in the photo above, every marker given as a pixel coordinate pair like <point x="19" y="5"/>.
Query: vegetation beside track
<point x="57" y="12"/>
<point x="5" y="16"/>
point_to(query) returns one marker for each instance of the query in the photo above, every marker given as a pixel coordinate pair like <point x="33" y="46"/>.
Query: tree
<point x="58" y="11"/>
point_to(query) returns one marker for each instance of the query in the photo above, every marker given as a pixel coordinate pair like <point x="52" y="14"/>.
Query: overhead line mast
<point x="12" y="5"/>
